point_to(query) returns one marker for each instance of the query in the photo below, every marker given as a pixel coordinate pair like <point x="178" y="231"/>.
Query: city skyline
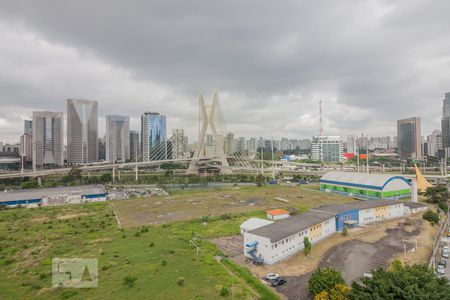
<point x="373" y="71"/>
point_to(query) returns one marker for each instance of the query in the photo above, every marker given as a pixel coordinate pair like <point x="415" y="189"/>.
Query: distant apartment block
<point x="327" y="149"/>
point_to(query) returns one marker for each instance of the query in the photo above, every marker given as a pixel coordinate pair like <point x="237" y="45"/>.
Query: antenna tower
<point x="321" y="118"/>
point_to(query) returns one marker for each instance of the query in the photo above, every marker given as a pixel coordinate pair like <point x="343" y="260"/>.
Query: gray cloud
<point x="371" y="62"/>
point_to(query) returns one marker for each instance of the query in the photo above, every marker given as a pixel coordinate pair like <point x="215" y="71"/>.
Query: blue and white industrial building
<point x="274" y="242"/>
<point x="53" y="196"/>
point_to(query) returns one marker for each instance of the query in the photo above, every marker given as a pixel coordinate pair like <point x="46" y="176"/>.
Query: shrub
<point x="308" y="246"/>
<point x="224" y="292"/>
<point x="180" y="281"/>
<point x="324" y="280"/>
<point x="129" y="281"/>
<point x="345" y="231"/>
<point x="152" y="244"/>
<point x="164" y="262"/>
<point x="431" y="216"/>
<point x="66" y="294"/>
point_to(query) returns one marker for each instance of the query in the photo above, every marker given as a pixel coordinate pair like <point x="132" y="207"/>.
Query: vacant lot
<point x="195" y="204"/>
<point x="161" y="258"/>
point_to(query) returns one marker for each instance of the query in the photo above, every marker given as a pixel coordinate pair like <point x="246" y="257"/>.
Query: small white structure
<point x="277" y="214"/>
<point x="253" y="223"/>
<point x="414" y="207"/>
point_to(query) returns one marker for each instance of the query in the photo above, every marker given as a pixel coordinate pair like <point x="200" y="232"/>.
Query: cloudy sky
<point x="370" y="62"/>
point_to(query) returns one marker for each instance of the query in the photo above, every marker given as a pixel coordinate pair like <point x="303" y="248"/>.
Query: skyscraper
<point x="409" y="138"/>
<point x="153" y="136"/>
<point x="117" y="138"/>
<point x="445" y="123"/>
<point x="82" y="131"/>
<point x="28" y="127"/>
<point x="47" y="139"/>
<point x="135" y="147"/>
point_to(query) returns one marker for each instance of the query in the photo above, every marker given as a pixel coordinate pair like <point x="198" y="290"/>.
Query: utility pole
<point x="367" y="159"/>
<point x="114" y="171"/>
<point x="357" y="160"/>
<point x="320" y="119"/>
<point x="262" y="161"/>
<point x="136" y="165"/>
<point x="273" y="167"/>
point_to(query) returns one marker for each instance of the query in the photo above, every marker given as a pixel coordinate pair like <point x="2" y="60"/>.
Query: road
<point x="447" y="260"/>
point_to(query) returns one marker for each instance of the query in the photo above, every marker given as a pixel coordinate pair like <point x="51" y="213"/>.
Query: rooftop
<point x="290" y="226"/>
<point x="276" y="212"/>
<point x="339" y="208"/>
<point x="254" y="223"/>
<point x="414" y="204"/>
<point x="374" y="181"/>
<point x="39" y="193"/>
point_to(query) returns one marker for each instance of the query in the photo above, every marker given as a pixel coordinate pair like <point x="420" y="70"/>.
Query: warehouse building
<point x="368" y="186"/>
<point x="53" y="196"/>
<point x="274" y="242"/>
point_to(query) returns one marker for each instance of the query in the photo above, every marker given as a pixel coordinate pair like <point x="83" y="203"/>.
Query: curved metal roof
<point x="373" y="180"/>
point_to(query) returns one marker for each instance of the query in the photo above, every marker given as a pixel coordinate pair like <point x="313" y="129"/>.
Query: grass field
<point x="195" y="204"/>
<point x="160" y="258"/>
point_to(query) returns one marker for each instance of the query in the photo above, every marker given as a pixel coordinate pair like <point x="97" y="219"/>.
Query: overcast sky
<point x="370" y="62"/>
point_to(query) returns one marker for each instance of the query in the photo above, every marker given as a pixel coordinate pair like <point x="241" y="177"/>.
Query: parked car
<point x="441" y="267"/>
<point x="271" y="276"/>
<point x="445" y="252"/>
<point x="278" y="281"/>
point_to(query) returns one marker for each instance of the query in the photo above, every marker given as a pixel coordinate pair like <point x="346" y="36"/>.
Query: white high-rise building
<point x="327" y="148"/>
<point x="351" y="144"/>
<point x="82" y="131"/>
<point x="26" y="146"/>
<point x="178" y="143"/>
<point x="434" y="143"/>
<point x="47" y="139"/>
<point x="117" y="138"/>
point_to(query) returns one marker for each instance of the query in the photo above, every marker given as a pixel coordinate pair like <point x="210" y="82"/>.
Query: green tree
<point x="431" y="216"/>
<point x="324" y="279"/>
<point x="338" y="292"/>
<point x="401" y="282"/>
<point x="259" y="180"/>
<point x="106" y="177"/>
<point x="308" y="246"/>
<point x="32" y="184"/>
<point x="437" y="194"/>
